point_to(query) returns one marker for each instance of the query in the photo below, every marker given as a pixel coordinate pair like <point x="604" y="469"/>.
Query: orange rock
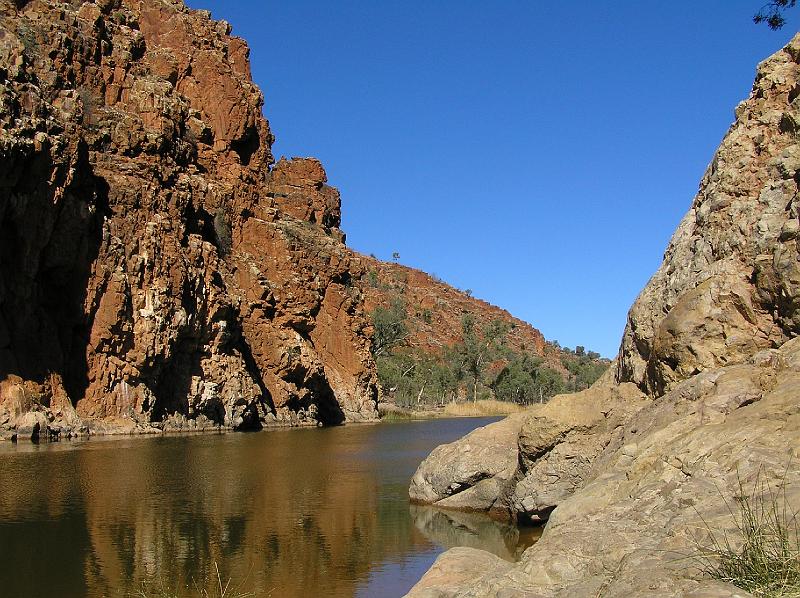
<point x="155" y="268"/>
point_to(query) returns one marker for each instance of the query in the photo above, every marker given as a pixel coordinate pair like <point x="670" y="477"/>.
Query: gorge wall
<point x="635" y="475"/>
<point x="157" y="269"/>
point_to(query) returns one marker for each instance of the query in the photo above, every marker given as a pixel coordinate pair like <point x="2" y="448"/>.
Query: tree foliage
<point x="583" y="370"/>
<point x="525" y="380"/>
<point x="480" y="365"/>
<point x="478" y="348"/>
<point x="772" y="13"/>
<point x="389" y="325"/>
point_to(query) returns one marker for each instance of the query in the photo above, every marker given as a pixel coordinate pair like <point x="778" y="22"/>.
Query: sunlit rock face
<point x="156" y="268"/>
<point x="728" y="286"/>
<point x="633" y="474"/>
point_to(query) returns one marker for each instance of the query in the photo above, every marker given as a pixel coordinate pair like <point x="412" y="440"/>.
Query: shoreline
<point x="111" y="429"/>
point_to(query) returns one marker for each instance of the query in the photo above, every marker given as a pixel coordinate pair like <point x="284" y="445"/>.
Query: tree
<point x="584" y="371"/>
<point x="478" y="348"/>
<point x="395" y="256"/>
<point x="548" y="383"/>
<point x="772" y="13"/>
<point x="516" y="381"/>
<point x="389" y="326"/>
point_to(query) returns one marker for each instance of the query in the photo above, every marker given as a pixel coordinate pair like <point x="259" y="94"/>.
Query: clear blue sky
<point x="538" y="153"/>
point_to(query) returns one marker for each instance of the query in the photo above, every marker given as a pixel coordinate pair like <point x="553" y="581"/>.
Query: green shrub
<point x="389" y="324"/>
<point x="372" y="279"/>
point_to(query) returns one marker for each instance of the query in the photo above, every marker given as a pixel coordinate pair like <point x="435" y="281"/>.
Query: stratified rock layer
<point x="632" y="474"/>
<point x="155" y="269"/>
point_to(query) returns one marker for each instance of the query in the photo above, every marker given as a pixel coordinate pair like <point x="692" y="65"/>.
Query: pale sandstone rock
<point x="638" y="479"/>
<point x="472" y="473"/>
<point x="456" y="568"/>
<point x="629" y="529"/>
<point x="729" y="281"/>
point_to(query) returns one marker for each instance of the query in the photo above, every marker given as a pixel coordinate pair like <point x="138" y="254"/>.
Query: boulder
<point x="472" y="473"/>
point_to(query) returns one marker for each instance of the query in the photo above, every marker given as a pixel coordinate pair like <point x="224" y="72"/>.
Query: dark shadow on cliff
<point x="329" y="410"/>
<point x="51" y="230"/>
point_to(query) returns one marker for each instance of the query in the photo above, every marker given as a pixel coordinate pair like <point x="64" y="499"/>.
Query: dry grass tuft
<point x="481" y="408"/>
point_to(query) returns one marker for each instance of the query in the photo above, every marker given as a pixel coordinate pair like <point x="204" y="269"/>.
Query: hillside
<point x="429" y="365"/>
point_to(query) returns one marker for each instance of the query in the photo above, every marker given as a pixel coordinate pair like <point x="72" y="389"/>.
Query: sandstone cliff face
<point x="706" y="393"/>
<point x="728" y="285"/>
<point x="155" y="267"/>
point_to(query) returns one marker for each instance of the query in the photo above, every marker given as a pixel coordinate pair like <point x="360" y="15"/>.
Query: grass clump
<point x="762" y="554"/>
<point x="481" y="408"/>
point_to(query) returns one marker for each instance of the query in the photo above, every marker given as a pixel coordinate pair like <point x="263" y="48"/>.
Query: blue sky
<point x="538" y="153"/>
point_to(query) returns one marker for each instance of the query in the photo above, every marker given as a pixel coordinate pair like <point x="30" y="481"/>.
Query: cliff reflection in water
<point x="287" y="512"/>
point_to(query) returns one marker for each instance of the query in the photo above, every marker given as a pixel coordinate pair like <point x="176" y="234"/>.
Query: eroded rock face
<point x="154" y="266"/>
<point x="631" y="473"/>
<point x="728" y="285"/>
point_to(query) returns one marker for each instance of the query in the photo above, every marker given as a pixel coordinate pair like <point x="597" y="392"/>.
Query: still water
<point x="282" y="513"/>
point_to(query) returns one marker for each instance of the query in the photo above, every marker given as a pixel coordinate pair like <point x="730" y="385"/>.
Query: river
<point x="286" y="513"/>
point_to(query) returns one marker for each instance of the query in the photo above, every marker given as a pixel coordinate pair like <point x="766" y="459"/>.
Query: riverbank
<point x="42" y="426"/>
<point x="484" y="408"/>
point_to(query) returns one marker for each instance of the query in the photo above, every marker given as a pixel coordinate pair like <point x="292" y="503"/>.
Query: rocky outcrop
<point x="473" y="473"/>
<point x="728" y="285"/>
<point x="633" y="474"/>
<point x="528" y="463"/>
<point x="658" y="487"/>
<point x="155" y="267"/>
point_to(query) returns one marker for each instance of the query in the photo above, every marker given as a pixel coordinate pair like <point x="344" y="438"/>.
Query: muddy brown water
<point x="281" y="513"/>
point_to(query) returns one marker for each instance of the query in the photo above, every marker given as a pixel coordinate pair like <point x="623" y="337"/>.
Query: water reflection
<point x="286" y="513"/>
<point x="455" y="528"/>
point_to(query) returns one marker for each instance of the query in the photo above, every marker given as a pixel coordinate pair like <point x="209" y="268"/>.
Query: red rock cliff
<point x="156" y="268"/>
